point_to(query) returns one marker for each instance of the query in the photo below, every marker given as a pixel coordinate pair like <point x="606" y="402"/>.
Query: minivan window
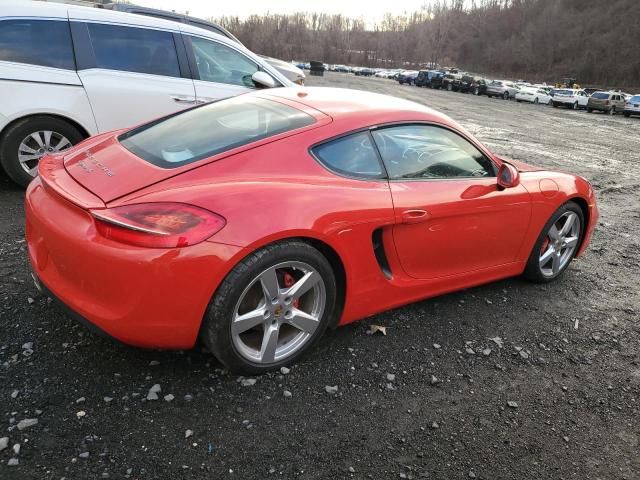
<point x="211" y="129"/>
<point x="222" y="64"/>
<point x="37" y="42"/>
<point x="130" y="49"/>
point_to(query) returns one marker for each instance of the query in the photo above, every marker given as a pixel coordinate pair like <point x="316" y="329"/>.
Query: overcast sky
<point x="371" y="10"/>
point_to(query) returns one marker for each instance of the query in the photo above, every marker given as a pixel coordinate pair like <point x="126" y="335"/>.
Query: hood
<point x="521" y="166"/>
<point x="289" y="70"/>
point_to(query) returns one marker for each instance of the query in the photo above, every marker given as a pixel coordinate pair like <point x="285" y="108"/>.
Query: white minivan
<point x="69" y="72"/>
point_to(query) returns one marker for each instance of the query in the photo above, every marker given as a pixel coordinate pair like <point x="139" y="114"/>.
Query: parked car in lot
<point x="157" y="235"/>
<point x="69" y="72"/>
<point x="292" y="72"/>
<point x="450" y="81"/>
<point x="632" y="106"/>
<point x="471" y="84"/>
<point x="570" y="98"/>
<point x="502" y="89"/>
<point x="408" y="77"/>
<point x="430" y="78"/>
<point x="364" y="72"/>
<point x="608" y="102"/>
<point x="534" y="95"/>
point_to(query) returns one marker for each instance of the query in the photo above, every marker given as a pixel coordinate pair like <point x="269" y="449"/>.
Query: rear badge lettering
<point x="90" y="162"/>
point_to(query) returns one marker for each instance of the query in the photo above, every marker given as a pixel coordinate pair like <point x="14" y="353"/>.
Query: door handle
<point x="185" y="100"/>
<point x="415" y="216"/>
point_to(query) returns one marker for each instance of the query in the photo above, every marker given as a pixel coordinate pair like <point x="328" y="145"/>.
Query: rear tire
<point x="626" y="114"/>
<point x="245" y="351"/>
<point x="16" y="141"/>
<point x="534" y="271"/>
<point x="536" y="101"/>
<point x="555" y="104"/>
<point x="612" y="111"/>
<point x="505" y="95"/>
<point x="589" y="110"/>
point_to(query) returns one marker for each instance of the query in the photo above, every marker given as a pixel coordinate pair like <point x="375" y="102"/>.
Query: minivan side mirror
<point x="263" y="80"/>
<point x="508" y="176"/>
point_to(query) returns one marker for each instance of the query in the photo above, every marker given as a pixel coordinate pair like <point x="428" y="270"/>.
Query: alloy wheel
<point x="560" y="244"/>
<point x="35" y="145"/>
<point x="278" y="312"/>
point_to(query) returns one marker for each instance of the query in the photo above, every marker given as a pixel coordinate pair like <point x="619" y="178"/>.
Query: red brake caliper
<point x="545" y="245"/>
<point x="288" y="281"/>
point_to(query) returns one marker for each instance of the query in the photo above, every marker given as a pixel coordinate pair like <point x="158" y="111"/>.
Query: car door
<point x="219" y="70"/>
<point x="451" y="217"/>
<point x="131" y="74"/>
<point x="583" y="98"/>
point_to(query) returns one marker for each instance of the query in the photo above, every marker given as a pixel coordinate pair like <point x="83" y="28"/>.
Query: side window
<point x="37" y="42"/>
<point x="131" y="49"/>
<point x="221" y="64"/>
<point x="429" y="152"/>
<point x="353" y="155"/>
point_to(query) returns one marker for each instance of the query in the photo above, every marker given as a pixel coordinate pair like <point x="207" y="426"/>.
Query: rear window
<point x="211" y="129"/>
<point x="37" y="42"/>
<point x="601" y="95"/>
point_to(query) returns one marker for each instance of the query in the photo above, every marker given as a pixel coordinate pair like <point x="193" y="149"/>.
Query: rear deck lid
<point x="123" y="162"/>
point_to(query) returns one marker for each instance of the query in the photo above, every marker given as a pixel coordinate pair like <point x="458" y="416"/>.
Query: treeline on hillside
<point x="595" y="41"/>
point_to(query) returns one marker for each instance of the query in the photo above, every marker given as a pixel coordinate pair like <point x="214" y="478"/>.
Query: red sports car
<point x="258" y="221"/>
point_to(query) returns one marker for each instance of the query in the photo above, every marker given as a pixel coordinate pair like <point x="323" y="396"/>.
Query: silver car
<point x="502" y="88"/>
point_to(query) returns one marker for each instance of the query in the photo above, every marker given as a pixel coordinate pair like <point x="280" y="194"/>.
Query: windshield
<point x="635" y="99"/>
<point x="564" y="92"/>
<point x="211" y="129"/>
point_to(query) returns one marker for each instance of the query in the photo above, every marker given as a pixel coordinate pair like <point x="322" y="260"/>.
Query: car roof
<point x="64" y="11"/>
<point x="359" y="108"/>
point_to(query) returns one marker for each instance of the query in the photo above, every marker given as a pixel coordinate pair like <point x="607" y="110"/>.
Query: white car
<point x="570" y="98"/>
<point x="68" y="72"/>
<point x="533" y="95"/>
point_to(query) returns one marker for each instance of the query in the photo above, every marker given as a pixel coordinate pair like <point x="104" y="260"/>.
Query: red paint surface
<point x="472" y="232"/>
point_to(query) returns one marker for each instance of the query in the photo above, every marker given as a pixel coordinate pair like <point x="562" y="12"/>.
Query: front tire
<point x="557" y="244"/>
<point x="505" y="95"/>
<point x="26" y="141"/>
<point x="271" y="308"/>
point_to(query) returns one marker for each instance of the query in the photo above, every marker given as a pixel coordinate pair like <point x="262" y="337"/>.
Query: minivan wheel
<point x="26" y="141"/>
<point x="271" y="308"/>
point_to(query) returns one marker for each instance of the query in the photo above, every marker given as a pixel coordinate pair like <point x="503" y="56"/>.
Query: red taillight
<point x="157" y="225"/>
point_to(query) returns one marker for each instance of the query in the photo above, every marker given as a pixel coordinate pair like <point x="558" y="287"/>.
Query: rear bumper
<point x="601" y="108"/>
<point x="152" y="298"/>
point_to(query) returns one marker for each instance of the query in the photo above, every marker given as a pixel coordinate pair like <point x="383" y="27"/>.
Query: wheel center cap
<point x="278" y="311"/>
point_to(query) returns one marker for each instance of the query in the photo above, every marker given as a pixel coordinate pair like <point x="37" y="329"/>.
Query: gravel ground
<point x="509" y="380"/>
